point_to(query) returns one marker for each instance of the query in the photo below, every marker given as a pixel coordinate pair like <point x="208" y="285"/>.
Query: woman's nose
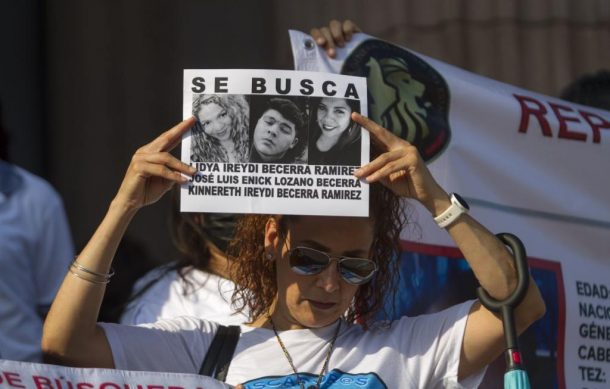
<point x="329" y="278"/>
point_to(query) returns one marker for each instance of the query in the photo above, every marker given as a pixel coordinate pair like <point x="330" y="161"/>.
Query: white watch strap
<point x="449" y="215"/>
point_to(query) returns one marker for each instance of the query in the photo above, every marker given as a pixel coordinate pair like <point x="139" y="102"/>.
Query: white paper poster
<point x="279" y="142"/>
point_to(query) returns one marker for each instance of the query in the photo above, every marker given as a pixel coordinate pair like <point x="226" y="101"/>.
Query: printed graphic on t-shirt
<point x="334" y="379"/>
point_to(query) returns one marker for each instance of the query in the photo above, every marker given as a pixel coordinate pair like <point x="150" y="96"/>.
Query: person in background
<point x="131" y="262"/>
<point x="198" y="284"/>
<point x="589" y="89"/>
<point x="336" y="34"/>
<point x="35" y="251"/>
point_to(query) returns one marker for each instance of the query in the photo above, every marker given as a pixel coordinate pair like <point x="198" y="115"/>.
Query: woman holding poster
<point x="334" y="137"/>
<point x="306" y="281"/>
<point x="221" y="131"/>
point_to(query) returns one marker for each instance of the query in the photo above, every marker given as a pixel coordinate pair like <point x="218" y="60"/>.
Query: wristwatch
<point x="458" y="206"/>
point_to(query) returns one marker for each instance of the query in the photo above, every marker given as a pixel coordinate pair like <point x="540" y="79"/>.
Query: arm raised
<point x="71" y="335"/>
<point x="402" y="169"/>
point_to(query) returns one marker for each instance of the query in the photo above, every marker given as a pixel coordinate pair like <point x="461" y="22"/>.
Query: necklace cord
<point x="289" y="358"/>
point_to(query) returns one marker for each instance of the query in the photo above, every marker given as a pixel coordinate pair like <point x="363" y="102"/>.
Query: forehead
<point x="338" y="235"/>
<point x="334" y="103"/>
<point x="210" y="108"/>
<point x="273" y="114"/>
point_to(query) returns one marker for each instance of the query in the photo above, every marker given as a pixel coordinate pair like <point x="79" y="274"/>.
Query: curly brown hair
<point x="255" y="277"/>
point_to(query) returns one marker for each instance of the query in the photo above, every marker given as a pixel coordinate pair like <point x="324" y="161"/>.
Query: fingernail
<point x="358" y="172"/>
<point x="320" y="41"/>
<point x="331" y="53"/>
<point x="193" y="169"/>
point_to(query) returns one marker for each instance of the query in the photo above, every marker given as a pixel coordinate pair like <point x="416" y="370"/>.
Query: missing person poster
<point x="269" y="141"/>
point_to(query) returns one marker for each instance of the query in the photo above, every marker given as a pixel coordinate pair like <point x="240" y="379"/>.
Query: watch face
<point x="460" y="200"/>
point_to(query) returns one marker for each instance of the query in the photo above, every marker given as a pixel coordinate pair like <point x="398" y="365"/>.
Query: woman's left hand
<point x="400" y="168"/>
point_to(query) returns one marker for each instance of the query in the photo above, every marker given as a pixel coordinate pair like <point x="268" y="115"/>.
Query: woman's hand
<point x="401" y="168"/>
<point x="336" y="34"/>
<point x="153" y="170"/>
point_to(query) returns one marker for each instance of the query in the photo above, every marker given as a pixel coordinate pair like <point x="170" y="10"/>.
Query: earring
<point x="269" y="256"/>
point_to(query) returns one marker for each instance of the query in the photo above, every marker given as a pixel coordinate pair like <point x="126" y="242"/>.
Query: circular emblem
<point x="405" y="94"/>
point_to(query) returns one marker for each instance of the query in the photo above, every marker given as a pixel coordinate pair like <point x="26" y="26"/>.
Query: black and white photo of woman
<point x="221" y="131"/>
<point x="334" y="138"/>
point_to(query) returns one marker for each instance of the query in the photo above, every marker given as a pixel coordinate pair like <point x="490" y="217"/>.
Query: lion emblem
<point x="406" y="95"/>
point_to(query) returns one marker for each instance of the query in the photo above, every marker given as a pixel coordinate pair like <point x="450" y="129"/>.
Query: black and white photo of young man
<point x="279" y="130"/>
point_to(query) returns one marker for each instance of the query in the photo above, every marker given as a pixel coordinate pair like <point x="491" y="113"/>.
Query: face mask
<point x="220" y="228"/>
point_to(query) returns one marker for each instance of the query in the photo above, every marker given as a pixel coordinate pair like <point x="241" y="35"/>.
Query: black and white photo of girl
<point x="221" y="131"/>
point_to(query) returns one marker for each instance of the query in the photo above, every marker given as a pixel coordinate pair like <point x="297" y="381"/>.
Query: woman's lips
<point x="321" y="305"/>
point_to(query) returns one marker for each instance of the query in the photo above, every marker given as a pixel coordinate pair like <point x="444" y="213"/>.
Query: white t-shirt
<point x="199" y="294"/>
<point x="417" y="352"/>
<point x="35" y="252"/>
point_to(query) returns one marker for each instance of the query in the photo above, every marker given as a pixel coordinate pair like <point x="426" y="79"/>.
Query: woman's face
<point x="313" y="301"/>
<point x="274" y="135"/>
<point x="215" y="121"/>
<point x="333" y="116"/>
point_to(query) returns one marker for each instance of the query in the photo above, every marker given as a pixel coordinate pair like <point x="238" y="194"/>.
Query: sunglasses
<point x="308" y="262"/>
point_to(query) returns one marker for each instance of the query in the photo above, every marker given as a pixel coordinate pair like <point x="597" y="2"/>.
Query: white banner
<point x="269" y="141"/>
<point x="528" y="164"/>
<point x="24" y="375"/>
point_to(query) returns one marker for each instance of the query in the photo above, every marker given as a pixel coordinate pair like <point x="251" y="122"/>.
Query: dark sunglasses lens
<point x="357" y="270"/>
<point x="307" y="262"/>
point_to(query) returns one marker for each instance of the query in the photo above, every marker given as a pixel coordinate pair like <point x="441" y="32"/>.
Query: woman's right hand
<point x="153" y="170"/>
